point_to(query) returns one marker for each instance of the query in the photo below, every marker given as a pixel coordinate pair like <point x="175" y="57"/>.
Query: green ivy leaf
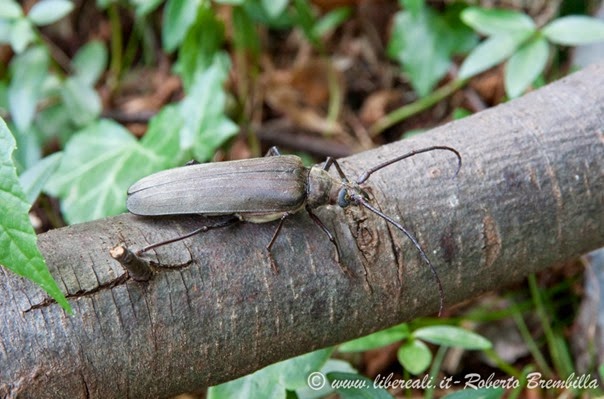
<point x="492" y="21"/>
<point x="274" y="8"/>
<point x="256" y="385"/>
<point x="200" y="47"/>
<point x="356" y="386"/>
<point x="18" y="239"/>
<point x="161" y="141"/>
<point x="179" y="15"/>
<point x="34" y="178"/>
<point x="574" y="30"/>
<point x="330" y="21"/>
<point x="104" y="159"/>
<point x="490" y="53"/>
<point x="6" y="29"/>
<point x="305" y="19"/>
<point x="458" y="38"/>
<point x="46" y="12"/>
<point x="292" y="373"/>
<point x="413" y="6"/>
<point x="96" y="169"/>
<point x="274" y="380"/>
<point x="29" y="70"/>
<point x="424" y="43"/>
<point x="29" y="150"/>
<point x="310" y="390"/>
<point x="205" y="126"/>
<point x="21" y="35"/>
<point x="415" y="356"/>
<point x="452" y="336"/>
<point x="144" y="7"/>
<point x="10" y="9"/>
<point x="81" y="100"/>
<point x="55" y="121"/>
<point x="376" y="340"/>
<point x="525" y="65"/>
<point x="257" y="13"/>
<point x="90" y="62"/>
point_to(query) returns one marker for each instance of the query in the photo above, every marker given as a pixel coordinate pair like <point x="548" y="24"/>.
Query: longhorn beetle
<point x="261" y="190"/>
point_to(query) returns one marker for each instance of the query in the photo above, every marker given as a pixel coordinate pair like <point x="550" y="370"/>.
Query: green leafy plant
<point x="314" y="28"/>
<point x="103" y="159"/>
<point x="414" y="355"/>
<point x="296" y="375"/>
<point x="312" y="375"/>
<point x="18" y="239"/>
<point x="424" y="41"/>
<point x="513" y="36"/>
<point x="19" y="30"/>
<point x="273" y="381"/>
<point x="31" y="80"/>
<point x="70" y="102"/>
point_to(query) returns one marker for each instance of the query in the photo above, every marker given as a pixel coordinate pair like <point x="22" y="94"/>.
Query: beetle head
<point x="351" y="194"/>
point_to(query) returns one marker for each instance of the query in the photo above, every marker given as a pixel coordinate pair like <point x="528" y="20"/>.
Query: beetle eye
<point x="343" y="198"/>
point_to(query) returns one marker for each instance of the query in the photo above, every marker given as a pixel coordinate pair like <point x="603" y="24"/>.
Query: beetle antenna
<point x="363" y="178"/>
<point x="415" y="243"/>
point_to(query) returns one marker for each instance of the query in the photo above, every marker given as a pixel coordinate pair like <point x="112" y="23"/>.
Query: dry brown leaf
<point x="378" y="104"/>
<point x="302" y="94"/>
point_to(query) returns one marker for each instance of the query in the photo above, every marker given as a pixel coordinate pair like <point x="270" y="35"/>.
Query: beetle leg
<point x="319" y="223"/>
<point x="272" y="241"/>
<point x="202" y="229"/>
<point x="273" y="152"/>
<point x="332" y="161"/>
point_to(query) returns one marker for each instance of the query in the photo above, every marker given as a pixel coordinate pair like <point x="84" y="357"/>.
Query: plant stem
<point x="555" y="350"/>
<point x="335" y="95"/>
<point x="531" y="344"/>
<point x="404" y="112"/>
<point x="134" y="42"/>
<point x="436" y="365"/>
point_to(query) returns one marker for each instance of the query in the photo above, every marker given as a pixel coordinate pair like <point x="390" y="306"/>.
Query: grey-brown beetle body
<point x="255" y="190"/>
<point x="259" y="190"/>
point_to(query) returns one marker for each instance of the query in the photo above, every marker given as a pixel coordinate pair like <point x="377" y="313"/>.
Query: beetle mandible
<point x="261" y="190"/>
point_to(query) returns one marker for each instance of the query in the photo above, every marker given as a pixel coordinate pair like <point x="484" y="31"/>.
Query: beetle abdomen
<point x="255" y="186"/>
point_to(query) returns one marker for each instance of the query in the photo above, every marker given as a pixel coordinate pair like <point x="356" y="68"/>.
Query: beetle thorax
<point x="322" y="188"/>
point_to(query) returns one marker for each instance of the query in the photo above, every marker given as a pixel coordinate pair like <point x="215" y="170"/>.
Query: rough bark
<point x="530" y="193"/>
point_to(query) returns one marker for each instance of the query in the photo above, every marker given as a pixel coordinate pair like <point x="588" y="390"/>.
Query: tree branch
<point x="530" y="194"/>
